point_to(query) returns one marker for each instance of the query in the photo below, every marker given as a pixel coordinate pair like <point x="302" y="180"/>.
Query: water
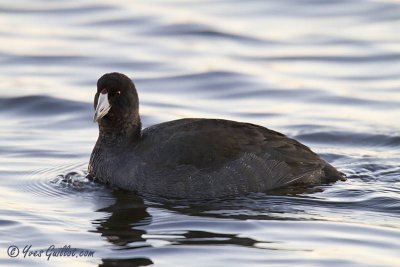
<point x="324" y="72"/>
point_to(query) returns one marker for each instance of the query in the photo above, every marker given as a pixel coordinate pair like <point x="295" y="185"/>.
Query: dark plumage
<point x="193" y="158"/>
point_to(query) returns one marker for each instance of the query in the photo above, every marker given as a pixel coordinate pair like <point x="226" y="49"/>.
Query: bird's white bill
<point x="103" y="106"/>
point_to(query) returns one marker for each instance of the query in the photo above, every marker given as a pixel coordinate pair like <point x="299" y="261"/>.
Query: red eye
<point x="119" y="92"/>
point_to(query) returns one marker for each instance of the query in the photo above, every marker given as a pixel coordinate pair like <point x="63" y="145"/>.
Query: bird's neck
<point x="119" y="133"/>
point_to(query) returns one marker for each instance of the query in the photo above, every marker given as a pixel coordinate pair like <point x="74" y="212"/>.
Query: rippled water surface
<point x="324" y="72"/>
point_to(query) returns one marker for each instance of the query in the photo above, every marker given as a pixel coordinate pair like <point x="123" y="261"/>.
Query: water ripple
<point x="202" y="31"/>
<point x="60" y="9"/>
<point x="41" y="105"/>
<point x="351" y="139"/>
<point x="334" y="59"/>
<point x="61" y="181"/>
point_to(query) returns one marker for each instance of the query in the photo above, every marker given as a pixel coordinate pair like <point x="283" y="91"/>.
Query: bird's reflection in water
<point x="120" y="228"/>
<point x="128" y="216"/>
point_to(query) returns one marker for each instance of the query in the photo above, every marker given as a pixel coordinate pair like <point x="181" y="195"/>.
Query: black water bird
<point x="193" y="158"/>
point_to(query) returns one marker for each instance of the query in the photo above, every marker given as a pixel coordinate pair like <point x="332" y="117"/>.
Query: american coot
<point x="193" y="158"/>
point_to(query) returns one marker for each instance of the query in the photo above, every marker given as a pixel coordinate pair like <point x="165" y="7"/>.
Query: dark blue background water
<point x="324" y="72"/>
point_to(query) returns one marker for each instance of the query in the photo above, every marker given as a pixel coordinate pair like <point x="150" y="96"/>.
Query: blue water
<point x="324" y="72"/>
